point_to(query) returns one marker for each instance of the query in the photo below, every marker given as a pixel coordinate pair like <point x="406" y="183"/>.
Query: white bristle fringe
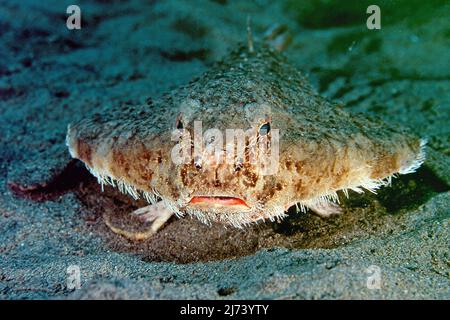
<point x="276" y="213"/>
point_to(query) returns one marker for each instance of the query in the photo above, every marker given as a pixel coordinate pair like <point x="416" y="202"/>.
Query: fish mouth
<point x="219" y="202"/>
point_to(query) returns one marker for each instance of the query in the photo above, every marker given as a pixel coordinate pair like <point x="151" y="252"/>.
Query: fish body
<point x="322" y="150"/>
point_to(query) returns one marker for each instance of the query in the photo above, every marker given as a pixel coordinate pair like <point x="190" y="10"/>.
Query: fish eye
<point x="198" y="165"/>
<point x="264" y="129"/>
<point x="179" y="125"/>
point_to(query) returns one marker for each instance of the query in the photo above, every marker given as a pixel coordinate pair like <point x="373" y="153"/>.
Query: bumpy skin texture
<point x="323" y="149"/>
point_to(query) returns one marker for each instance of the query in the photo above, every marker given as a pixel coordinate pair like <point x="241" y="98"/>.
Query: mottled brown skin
<point x="323" y="149"/>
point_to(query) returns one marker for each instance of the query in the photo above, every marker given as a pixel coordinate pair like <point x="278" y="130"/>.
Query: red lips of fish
<point x="213" y="200"/>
